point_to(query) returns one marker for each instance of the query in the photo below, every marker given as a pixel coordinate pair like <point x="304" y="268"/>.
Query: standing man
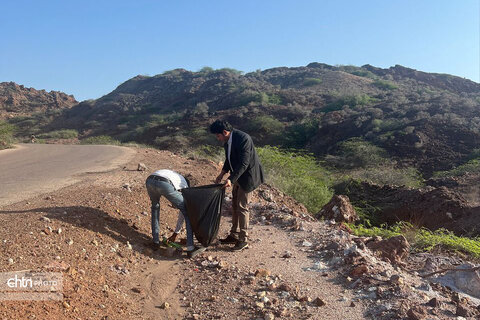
<point x="246" y="175"/>
<point x="167" y="183"/>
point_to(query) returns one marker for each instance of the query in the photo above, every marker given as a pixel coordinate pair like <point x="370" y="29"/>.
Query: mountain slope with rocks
<point x="424" y="120"/>
<point x="17" y="100"/>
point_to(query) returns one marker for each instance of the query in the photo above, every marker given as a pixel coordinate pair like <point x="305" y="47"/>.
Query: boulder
<point x="339" y="209"/>
<point x="394" y="249"/>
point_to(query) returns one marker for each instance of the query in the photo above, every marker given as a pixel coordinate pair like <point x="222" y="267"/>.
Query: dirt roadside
<point x="83" y="230"/>
<point x="95" y="232"/>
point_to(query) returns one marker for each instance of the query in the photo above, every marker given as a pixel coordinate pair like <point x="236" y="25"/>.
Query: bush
<point x="423" y="239"/>
<point x="384" y="85"/>
<point x="100" y="140"/>
<point x="59" y="134"/>
<point x="299" y="134"/>
<point x="471" y="166"/>
<point x="299" y="176"/>
<point x="311" y="82"/>
<point x="6" y="135"/>
<point x="351" y="101"/>
<point x="357" y="153"/>
<point x="267" y="129"/>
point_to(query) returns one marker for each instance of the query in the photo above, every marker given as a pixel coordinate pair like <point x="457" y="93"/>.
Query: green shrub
<point x="471" y="166"/>
<point x="267" y="129"/>
<point x="299" y="134"/>
<point x="358" y="153"/>
<point x="311" y="82"/>
<point x="387" y="174"/>
<point x="423" y="239"/>
<point x="6" y="134"/>
<point x="299" y="176"/>
<point x="100" y="140"/>
<point x="351" y="101"/>
<point x="384" y="85"/>
<point x="60" y="134"/>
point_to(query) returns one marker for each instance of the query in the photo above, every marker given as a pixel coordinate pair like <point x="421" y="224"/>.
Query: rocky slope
<point x="16" y="100"/>
<point x="426" y="120"/>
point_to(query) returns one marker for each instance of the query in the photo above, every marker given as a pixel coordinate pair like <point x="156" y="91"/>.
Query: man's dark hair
<point x="219" y="125"/>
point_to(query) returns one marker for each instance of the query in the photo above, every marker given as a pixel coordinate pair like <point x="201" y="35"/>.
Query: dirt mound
<point x="431" y="207"/>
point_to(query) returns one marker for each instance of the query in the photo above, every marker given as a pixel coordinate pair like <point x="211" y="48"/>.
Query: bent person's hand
<point x="172" y="237"/>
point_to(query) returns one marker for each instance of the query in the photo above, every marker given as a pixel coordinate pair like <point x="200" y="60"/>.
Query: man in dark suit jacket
<point x="246" y="175"/>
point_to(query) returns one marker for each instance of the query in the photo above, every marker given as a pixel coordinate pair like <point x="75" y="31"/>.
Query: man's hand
<point x="227" y="184"/>
<point x="172" y="237"/>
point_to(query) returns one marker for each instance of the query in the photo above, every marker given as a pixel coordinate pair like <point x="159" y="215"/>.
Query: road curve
<point x="33" y="169"/>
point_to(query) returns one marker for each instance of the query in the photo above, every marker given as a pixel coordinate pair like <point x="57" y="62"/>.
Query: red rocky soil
<point x="95" y="232"/>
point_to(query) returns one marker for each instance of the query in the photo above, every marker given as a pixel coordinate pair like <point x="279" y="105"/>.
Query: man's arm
<point x="179" y="226"/>
<point x="244" y="160"/>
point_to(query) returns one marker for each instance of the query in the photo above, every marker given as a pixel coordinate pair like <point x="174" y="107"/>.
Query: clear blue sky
<point x="87" y="48"/>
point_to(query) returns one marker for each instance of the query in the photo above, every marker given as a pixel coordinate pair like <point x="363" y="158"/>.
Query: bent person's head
<point x="221" y="129"/>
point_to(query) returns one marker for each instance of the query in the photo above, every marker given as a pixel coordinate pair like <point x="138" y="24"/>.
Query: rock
<point x="59" y="231"/>
<point x="434" y="303"/>
<point x="145" y="213"/>
<point x="70" y="242"/>
<point x="141" y="167"/>
<point x="272" y="286"/>
<point x="45" y="219"/>
<point x="352" y="304"/>
<point x="165" y="305"/>
<point x="417" y="313"/>
<point x="259" y="305"/>
<point x="464" y="311"/>
<point x="396" y="280"/>
<point x="262" y="273"/>
<point x="394" y="249"/>
<point x="10" y="261"/>
<point x="306" y="243"/>
<point x="129" y="246"/>
<point x="287" y="255"/>
<point x="339" y="209"/>
<point x="66" y="305"/>
<point x="319" y="302"/>
<point x="359" y="270"/>
<point x="127" y="187"/>
<point x="269" y="316"/>
<point x="222" y="264"/>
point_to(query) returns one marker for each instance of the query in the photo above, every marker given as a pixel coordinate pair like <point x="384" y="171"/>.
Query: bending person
<point x="167" y="183"/>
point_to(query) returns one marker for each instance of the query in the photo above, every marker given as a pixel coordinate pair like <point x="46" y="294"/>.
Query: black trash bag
<point x="204" y="207"/>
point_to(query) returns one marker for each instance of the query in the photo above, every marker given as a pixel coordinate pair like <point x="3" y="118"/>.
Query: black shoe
<point x="195" y="252"/>
<point x="240" y="245"/>
<point x="229" y="240"/>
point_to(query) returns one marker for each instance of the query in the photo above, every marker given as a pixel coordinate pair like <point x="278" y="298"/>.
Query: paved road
<point x="33" y="169"/>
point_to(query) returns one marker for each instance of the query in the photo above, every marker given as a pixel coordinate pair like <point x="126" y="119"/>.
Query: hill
<point x="16" y="100"/>
<point x="414" y="119"/>
<point x="426" y="120"/>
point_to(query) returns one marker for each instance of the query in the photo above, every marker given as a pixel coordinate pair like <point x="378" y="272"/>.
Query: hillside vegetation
<point x="389" y="126"/>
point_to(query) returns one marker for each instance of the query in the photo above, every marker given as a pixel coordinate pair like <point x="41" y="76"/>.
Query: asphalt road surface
<point x="33" y="169"/>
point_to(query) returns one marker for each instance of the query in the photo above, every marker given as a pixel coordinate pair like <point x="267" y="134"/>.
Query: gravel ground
<point x="97" y="231"/>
